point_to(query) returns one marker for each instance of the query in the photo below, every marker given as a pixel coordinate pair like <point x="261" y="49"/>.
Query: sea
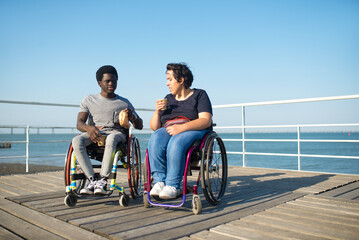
<point x="42" y="145"/>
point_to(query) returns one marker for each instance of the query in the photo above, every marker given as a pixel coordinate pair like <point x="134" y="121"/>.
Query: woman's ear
<point x="181" y="81"/>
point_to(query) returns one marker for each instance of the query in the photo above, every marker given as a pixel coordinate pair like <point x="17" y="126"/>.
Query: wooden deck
<point x="258" y="204"/>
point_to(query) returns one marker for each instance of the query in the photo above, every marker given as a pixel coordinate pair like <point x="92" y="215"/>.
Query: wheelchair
<point x="209" y="157"/>
<point x="127" y="156"/>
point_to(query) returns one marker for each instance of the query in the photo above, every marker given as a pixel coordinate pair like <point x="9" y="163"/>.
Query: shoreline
<point x="20" y="168"/>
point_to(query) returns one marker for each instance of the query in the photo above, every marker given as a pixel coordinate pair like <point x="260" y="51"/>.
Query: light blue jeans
<point x="167" y="155"/>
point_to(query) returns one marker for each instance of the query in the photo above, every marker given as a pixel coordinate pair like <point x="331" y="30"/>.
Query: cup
<point x="102" y="142"/>
<point x="165" y="103"/>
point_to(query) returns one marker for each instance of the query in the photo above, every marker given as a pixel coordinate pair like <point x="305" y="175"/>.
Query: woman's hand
<point x="160" y="105"/>
<point x="155" y="122"/>
<point x="175" y="129"/>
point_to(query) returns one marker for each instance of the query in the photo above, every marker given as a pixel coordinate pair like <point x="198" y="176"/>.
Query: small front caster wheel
<point x="196" y="205"/>
<point x="124" y="200"/>
<point x="70" y="200"/>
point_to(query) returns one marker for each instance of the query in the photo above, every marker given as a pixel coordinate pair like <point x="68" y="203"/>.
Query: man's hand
<point x="94" y="134"/>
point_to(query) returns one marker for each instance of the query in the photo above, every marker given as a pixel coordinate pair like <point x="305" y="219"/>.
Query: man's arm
<point x="136" y="121"/>
<point x="83" y="127"/>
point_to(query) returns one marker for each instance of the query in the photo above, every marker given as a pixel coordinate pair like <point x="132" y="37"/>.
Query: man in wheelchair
<point x="105" y="110"/>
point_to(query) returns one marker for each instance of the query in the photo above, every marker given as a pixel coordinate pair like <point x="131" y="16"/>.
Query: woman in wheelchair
<point x="186" y="117"/>
<point x="104" y="109"/>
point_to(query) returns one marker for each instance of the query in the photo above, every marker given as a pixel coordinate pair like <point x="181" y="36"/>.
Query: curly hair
<point x="181" y="70"/>
<point x="105" y="69"/>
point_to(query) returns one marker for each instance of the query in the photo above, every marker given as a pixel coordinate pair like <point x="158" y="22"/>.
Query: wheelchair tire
<point x="80" y="177"/>
<point x="70" y="200"/>
<point x="196" y="205"/>
<point x="214" y="168"/>
<point x="134" y="166"/>
<point x="124" y="200"/>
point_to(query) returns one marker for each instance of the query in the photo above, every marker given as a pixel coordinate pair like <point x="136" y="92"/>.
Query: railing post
<point x="243" y="136"/>
<point x="298" y="135"/>
<point x="27" y="147"/>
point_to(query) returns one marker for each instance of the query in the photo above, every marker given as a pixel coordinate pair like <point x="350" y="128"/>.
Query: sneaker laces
<point x="101" y="183"/>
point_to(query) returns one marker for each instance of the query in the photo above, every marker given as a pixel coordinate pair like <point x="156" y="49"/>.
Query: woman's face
<point x="174" y="86"/>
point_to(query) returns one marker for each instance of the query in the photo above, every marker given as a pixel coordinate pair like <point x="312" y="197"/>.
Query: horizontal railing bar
<point x="40" y="156"/>
<point x="295" y="155"/>
<point x="8" y="157"/>
<point x="288" y="101"/>
<point x="292" y="140"/>
<point x="13" y="142"/>
<point x="328" y="156"/>
<point x="58" y="104"/>
<point x="294" y="126"/>
<point x="50" y="141"/>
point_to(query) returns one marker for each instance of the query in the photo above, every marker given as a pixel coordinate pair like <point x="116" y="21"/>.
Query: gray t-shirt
<point x="105" y="111"/>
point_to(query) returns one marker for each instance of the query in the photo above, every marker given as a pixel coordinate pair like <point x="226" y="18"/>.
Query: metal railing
<point x="27" y="143"/>
<point x="243" y="127"/>
<point x="298" y="128"/>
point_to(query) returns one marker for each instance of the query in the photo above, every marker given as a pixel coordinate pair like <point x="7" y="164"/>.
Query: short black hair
<point x="105" y="69"/>
<point x="181" y="70"/>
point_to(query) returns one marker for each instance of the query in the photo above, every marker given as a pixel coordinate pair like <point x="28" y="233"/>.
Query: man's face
<point x="108" y="83"/>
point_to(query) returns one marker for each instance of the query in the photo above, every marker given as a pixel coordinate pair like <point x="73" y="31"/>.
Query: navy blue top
<point x="198" y="102"/>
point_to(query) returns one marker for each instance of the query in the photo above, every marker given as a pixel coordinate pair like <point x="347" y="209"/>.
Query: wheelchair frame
<point x="204" y="153"/>
<point x="75" y="179"/>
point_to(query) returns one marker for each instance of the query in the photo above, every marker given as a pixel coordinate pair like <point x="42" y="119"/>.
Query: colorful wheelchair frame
<point x="127" y="156"/>
<point x="210" y="158"/>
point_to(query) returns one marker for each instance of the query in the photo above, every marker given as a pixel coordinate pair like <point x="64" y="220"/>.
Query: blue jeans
<point x="167" y="155"/>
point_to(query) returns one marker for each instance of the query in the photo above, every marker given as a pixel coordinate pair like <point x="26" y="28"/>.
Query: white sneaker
<point x="157" y="188"/>
<point x="100" y="187"/>
<point x="89" y="188"/>
<point x="169" y="192"/>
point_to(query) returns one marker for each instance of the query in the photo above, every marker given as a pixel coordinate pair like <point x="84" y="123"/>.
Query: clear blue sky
<point x="239" y="51"/>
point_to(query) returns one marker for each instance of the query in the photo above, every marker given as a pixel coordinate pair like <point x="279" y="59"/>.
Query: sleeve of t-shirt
<point x="204" y="104"/>
<point x="84" y="106"/>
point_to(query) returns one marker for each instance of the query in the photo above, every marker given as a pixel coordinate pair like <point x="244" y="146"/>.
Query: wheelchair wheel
<point x="75" y="179"/>
<point x="124" y="200"/>
<point x="134" y="166"/>
<point x="70" y="200"/>
<point x="196" y="205"/>
<point x="214" y="168"/>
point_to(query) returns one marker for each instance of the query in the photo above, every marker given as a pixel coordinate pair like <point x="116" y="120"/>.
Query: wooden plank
<point x="244" y="233"/>
<point x="315" y="215"/>
<point x="326" y="207"/>
<point x="210" y="235"/>
<point x="23" y="228"/>
<point x="237" y="226"/>
<point x="6" y="234"/>
<point x="193" y="223"/>
<point x="323" y="214"/>
<point x="350" y="191"/>
<point x="306" y="227"/>
<point x="46" y="226"/>
<point x="18" y="189"/>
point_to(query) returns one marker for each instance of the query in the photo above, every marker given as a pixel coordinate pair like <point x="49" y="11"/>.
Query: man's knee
<point x="76" y="142"/>
<point x="114" y="139"/>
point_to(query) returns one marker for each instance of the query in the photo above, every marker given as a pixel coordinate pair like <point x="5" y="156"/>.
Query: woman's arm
<point x="155" y="122"/>
<point x="203" y="121"/>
